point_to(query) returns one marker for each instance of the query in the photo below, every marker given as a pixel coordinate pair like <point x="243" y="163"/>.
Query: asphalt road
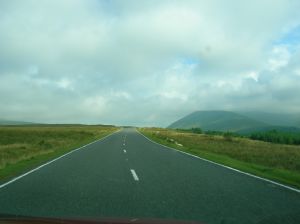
<point x="126" y="175"/>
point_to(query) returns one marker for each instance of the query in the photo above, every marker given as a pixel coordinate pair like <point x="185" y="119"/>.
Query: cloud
<point x="280" y="58"/>
<point x="146" y="63"/>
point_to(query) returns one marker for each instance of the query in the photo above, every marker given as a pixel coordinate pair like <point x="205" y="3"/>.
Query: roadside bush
<point x="277" y="137"/>
<point x="228" y="136"/>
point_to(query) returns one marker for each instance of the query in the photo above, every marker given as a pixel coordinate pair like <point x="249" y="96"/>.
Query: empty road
<point x="126" y="175"/>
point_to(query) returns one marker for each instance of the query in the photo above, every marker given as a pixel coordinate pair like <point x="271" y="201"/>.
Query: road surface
<point x="126" y="175"/>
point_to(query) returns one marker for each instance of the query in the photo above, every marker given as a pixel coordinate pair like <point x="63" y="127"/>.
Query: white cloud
<point x="280" y="58"/>
<point x="253" y="75"/>
<point x="156" y="60"/>
<point x="95" y="104"/>
<point x="65" y="84"/>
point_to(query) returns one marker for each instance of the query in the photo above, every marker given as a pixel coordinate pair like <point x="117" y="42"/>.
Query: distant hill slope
<point x="218" y="121"/>
<point x="8" y="122"/>
<point x="292" y="120"/>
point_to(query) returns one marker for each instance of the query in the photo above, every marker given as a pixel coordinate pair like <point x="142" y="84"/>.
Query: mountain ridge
<point x="219" y="120"/>
<point x="11" y="122"/>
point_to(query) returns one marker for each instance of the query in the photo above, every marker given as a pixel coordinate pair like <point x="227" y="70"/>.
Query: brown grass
<point x="24" y="143"/>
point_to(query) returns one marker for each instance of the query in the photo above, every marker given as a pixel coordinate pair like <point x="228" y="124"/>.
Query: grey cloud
<point x="142" y="62"/>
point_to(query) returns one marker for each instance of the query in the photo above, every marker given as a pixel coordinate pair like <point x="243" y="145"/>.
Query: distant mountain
<point x="292" y="120"/>
<point x="8" y="122"/>
<point x="241" y="122"/>
<point x="218" y="121"/>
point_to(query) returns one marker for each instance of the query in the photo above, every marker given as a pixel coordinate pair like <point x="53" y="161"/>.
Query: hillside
<point x="291" y="120"/>
<point x="217" y="121"/>
<point x="9" y="122"/>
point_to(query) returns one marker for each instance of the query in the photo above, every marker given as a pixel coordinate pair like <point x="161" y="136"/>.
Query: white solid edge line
<point x="236" y="170"/>
<point x="135" y="177"/>
<point x="51" y="161"/>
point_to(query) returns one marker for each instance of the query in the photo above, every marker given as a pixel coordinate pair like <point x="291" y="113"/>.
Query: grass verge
<point x="25" y="147"/>
<point x="276" y="162"/>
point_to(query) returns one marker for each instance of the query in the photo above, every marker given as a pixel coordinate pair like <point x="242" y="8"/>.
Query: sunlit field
<point x="23" y="147"/>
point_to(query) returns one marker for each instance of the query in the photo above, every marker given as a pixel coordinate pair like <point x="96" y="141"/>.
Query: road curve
<point x="127" y="176"/>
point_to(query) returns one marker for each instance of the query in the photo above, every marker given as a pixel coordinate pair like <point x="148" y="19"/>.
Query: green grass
<point x="25" y="147"/>
<point x="273" y="161"/>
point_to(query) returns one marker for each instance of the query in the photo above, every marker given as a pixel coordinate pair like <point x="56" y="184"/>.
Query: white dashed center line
<point x="135" y="177"/>
<point x="124" y="151"/>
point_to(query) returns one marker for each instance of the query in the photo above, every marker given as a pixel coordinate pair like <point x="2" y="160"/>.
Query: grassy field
<point x="273" y="161"/>
<point x="24" y="147"/>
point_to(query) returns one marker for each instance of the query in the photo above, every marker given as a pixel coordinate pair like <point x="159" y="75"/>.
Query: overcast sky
<point x="146" y="62"/>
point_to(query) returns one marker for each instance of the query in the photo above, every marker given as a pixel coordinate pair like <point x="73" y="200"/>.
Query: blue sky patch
<point x="290" y="38"/>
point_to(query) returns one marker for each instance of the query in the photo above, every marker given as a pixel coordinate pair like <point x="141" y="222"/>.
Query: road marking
<point x="224" y="166"/>
<point x="124" y="151"/>
<point x="135" y="177"/>
<point x="41" y="166"/>
<point x="123" y="143"/>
